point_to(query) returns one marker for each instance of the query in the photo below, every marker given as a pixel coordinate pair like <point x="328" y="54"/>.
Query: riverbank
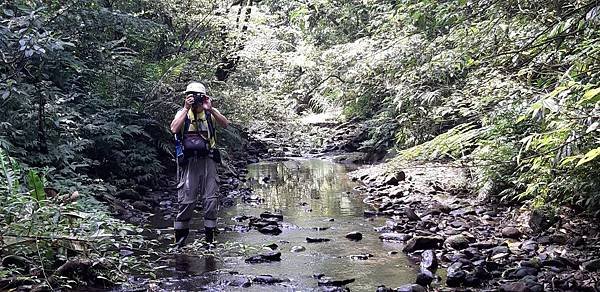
<point x="476" y="244"/>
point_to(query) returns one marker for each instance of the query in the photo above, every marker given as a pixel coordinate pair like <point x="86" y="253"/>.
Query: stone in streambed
<point x="298" y="248"/>
<point x="429" y="261"/>
<point x="270" y="229"/>
<point x="411" y="215"/>
<point x="455" y="275"/>
<point x="457" y="242"/>
<point x="423" y="242"/>
<point x="317" y="239"/>
<point x="264" y="258"/>
<point x="394" y="236"/>
<point x="511" y="232"/>
<point x="337" y="283"/>
<point x="267" y="279"/>
<point x="362" y="257"/>
<point x="269" y="215"/>
<point x="354" y="236"/>
<point x="424" y="278"/>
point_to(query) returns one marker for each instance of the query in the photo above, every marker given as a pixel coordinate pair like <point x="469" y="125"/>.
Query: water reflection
<point x="322" y="187"/>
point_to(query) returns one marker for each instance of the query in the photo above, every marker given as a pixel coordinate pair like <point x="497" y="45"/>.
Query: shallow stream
<point x="316" y="199"/>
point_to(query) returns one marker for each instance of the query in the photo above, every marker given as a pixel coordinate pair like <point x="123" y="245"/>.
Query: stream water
<point x="316" y="199"/>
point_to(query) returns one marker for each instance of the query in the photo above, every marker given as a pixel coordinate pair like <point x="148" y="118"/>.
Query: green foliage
<point x="49" y="231"/>
<point x="511" y="91"/>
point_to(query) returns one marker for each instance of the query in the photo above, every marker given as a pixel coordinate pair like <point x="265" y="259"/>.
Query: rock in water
<point x="457" y="242"/>
<point x="429" y="261"/>
<point x="511" y="232"/>
<point x="355" y="236"/>
<point x="313" y="240"/>
<point x="264" y="258"/>
<point x="298" y="248"/>
<point x="267" y="279"/>
<point x="423" y="242"/>
<point x="336" y="283"/>
<point x="269" y="215"/>
<point x="394" y="236"/>
<point x="270" y="229"/>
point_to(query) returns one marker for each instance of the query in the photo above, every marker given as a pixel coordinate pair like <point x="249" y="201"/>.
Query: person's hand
<point x="189" y="101"/>
<point x="207" y="105"/>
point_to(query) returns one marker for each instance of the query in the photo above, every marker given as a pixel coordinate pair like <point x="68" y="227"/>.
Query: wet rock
<point x="269" y="215"/>
<point x="298" y="248"/>
<point x="511" y="232"/>
<point x="354" y="236"/>
<point x="411" y="288"/>
<point x="457" y="242"/>
<point x="272" y="246"/>
<point x="317" y="239"/>
<point x="429" y="261"/>
<point x="337" y="283"/>
<point x="362" y="257"/>
<point x="394" y="236"/>
<point x="270" y="229"/>
<point x="455" y="275"/>
<point x="238" y="281"/>
<point x="267" y="279"/>
<point x="264" y="258"/>
<point x="423" y="242"/>
<point x="318" y="276"/>
<point x="592" y="266"/>
<point x="424" y="278"/>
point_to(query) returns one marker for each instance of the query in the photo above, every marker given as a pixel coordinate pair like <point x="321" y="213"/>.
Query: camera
<point x="199" y="98"/>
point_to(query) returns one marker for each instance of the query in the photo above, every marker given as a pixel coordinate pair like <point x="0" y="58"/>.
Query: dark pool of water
<point x="309" y="193"/>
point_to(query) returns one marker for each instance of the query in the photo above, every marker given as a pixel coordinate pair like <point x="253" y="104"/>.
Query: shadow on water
<point x="317" y="200"/>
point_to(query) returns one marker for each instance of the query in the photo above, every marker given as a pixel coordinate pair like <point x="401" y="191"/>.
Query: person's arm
<point x="220" y="118"/>
<point x="179" y="119"/>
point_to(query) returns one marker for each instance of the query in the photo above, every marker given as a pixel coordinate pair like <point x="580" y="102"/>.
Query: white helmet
<point x="195" y="87"/>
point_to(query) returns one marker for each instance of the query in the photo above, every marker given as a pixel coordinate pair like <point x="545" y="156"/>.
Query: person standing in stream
<point x="193" y="124"/>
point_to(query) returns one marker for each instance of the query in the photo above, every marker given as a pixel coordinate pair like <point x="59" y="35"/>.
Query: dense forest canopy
<point x="510" y="89"/>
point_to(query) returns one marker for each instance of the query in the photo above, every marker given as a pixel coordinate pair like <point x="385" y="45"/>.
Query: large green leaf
<point x="36" y="185"/>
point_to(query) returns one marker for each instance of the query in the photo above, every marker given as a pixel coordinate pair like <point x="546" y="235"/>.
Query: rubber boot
<point x="209" y="234"/>
<point x="180" y="236"/>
